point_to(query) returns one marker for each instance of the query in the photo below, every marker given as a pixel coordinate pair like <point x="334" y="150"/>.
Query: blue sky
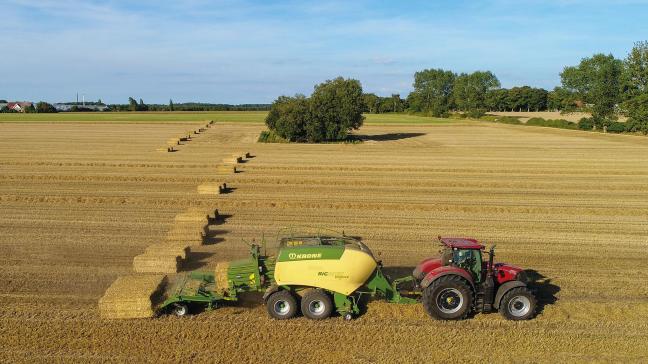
<point x="253" y="51"/>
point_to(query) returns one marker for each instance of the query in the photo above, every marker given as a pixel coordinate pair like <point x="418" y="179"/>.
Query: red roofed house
<point x="18" y="106"/>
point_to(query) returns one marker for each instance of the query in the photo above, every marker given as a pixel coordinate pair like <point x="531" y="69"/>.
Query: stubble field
<point x="79" y="200"/>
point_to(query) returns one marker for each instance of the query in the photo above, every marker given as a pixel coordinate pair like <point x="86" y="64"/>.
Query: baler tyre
<point x="180" y="309"/>
<point x="448" y="298"/>
<point x="282" y="305"/>
<point x="518" y="304"/>
<point x="316" y="305"/>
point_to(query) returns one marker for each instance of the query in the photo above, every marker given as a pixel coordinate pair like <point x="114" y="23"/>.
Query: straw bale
<point x="132" y="296"/>
<point x="232" y="160"/>
<point x="209" y="189"/>
<point x="191" y="217"/>
<point x="226" y="168"/>
<point x="157" y="263"/>
<point x="169" y="247"/>
<point x="222" y="280"/>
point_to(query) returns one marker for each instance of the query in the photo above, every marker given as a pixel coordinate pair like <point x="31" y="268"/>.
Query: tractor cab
<point x="463" y="253"/>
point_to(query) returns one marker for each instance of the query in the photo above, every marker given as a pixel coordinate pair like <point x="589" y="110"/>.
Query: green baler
<point x="324" y="273"/>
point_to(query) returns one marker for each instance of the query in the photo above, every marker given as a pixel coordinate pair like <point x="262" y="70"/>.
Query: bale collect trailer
<point x="318" y="275"/>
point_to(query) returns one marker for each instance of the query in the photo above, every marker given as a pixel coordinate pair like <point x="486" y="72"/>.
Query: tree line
<point x="602" y="85"/>
<point x="134" y="105"/>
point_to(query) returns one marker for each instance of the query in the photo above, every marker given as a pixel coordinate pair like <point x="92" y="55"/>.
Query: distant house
<point x="19" y="106"/>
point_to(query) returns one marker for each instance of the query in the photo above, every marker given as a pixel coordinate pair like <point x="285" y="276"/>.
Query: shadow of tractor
<point x="544" y="290"/>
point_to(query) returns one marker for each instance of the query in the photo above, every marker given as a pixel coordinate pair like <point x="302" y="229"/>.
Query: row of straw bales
<point x="174" y="143"/>
<point x="189" y="228"/>
<point x="137" y="295"/>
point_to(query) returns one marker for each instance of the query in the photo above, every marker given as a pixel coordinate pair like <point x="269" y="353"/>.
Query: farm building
<point x="19" y="106"/>
<point x="68" y="107"/>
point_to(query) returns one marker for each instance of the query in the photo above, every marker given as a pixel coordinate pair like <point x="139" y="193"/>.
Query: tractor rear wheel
<point x="518" y="304"/>
<point x="180" y="309"/>
<point x="448" y="298"/>
<point x="282" y="305"/>
<point x="316" y="305"/>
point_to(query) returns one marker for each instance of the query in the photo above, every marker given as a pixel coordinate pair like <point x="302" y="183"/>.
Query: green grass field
<point x="179" y="117"/>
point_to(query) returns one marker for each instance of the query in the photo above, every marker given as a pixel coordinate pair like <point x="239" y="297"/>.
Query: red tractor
<point x="460" y="282"/>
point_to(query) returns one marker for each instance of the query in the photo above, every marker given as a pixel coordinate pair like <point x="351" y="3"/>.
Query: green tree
<point x="44" y="107"/>
<point x="336" y="109"/>
<point x="497" y="100"/>
<point x="470" y="91"/>
<point x="561" y="99"/>
<point x="396" y="103"/>
<point x="288" y="117"/>
<point x="142" y="106"/>
<point x="371" y="103"/>
<point x="636" y="78"/>
<point x="132" y="104"/>
<point x="170" y="105"/>
<point x="638" y="113"/>
<point x="597" y="82"/>
<point x="433" y="91"/>
<point x="538" y="99"/>
<point x="636" y="82"/>
<point x="636" y="69"/>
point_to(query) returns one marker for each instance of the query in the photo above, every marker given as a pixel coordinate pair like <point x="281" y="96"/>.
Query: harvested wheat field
<point x="524" y="116"/>
<point x="79" y="201"/>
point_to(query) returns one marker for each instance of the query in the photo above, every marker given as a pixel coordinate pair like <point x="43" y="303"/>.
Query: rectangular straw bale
<point x="192" y="237"/>
<point x="177" y="248"/>
<point x="226" y="168"/>
<point x="232" y="160"/>
<point x="197" y="217"/>
<point x="212" y="188"/>
<point x="173" y="141"/>
<point x="221" y="277"/>
<point x="156" y="263"/>
<point x="132" y="296"/>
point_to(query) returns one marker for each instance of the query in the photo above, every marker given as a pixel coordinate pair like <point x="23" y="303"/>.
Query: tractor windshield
<point x="470" y="260"/>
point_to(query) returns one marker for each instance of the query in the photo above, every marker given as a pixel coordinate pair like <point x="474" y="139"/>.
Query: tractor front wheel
<point x="448" y="298"/>
<point x="282" y="305"/>
<point x="518" y="304"/>
<point x="316" y="305"/>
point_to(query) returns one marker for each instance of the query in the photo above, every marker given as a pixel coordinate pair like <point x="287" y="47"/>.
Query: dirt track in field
<point x="78" y="202"/>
